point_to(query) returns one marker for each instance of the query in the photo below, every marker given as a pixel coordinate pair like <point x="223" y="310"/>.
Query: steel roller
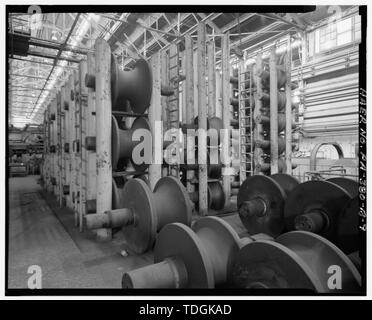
<point x="295" y="260"/>
<point x="134" y="85"/>
<point x="144" y="213"/>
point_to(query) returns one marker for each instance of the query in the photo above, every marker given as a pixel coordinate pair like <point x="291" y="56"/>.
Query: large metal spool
<point x="349" y="185"/>
<point x="295" y="260"/>
<point x="348" y="233"/>
<point x="317" y="206"/>
<point x="201" y="257"/>
<point x="117" y="201"/>
<point x="144" y="213"/>
<point x="134" y="86"/>
<point x="261" y="202"/>
<point x="216" y="196"/>
<point x="123" y="144"/>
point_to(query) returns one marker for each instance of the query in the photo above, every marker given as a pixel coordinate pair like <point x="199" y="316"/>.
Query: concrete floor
<point x="40" y="233"/>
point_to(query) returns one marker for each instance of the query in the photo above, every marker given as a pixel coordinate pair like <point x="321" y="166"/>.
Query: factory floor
<point x="42" y="234"/>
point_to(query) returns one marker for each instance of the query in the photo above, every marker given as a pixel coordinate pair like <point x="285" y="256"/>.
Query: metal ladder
<point x="245" y="96"/>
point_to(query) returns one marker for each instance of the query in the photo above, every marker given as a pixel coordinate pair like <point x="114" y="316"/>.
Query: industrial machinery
<point x="197" y="257"/>
<point x="295" y="260"/>
<point x="261" y="202"/>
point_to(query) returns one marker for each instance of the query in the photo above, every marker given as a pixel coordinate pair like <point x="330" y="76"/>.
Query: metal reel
<point x="349" y="185"/>
<point x="297" y="260"/>
<point x="172" y="202"/>
<point x="316" y="206"/>
<point x="260" y="204"/>
<point x="134" y="85"/>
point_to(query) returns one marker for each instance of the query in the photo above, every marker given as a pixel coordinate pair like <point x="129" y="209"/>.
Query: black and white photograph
<point x="181" y="151"/>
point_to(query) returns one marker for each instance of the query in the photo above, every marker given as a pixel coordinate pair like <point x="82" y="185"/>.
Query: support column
<point x="83" y="151"/>
<point x="226" y="116"/>
<point x="211" y="79"/>
<point x="273" y="113"/>
<point x="202" y="121"/>
<point x="155" y="117"/>
<point x="189" y="106"/>
<point x="103" y="136"/>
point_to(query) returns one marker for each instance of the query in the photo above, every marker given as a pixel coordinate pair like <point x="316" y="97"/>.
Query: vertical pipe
<point x="211" y="79"/>
<point x="202" y="122"/>
<point x="226" y="92"/>
<point x="91" y="132"/>
<point x="273" y="113"/>
<point x="288" y="109"/>
<point x="155" y="115"/>
<point x="103" y="137"/>
<point x="83" y="151"/>
<point x="189" y="106"/>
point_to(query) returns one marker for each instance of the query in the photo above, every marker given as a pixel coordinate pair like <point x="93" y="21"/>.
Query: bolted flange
<point x="295" y="260"/>
<point x="201" y="257"/>
<point x="316" y="206"/>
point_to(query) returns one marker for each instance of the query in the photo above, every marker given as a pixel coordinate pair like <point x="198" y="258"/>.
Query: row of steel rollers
<point x="279" y="203"/>
<point x="210" y="254"/>
<point x="264" y="118"/>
